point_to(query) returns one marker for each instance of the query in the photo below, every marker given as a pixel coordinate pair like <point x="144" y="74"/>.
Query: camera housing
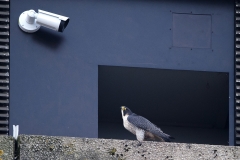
<point x="30" y="21"/>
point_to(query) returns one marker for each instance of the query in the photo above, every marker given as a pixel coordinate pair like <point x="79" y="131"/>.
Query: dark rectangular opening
<point x="191" y="106"/>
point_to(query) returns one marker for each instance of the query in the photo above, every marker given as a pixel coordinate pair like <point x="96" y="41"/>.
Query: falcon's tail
<point x="164" y="137"/>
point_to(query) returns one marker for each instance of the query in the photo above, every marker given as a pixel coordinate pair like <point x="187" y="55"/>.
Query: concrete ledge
<point x="6" y="148"/>
<point x="45" y="147"/>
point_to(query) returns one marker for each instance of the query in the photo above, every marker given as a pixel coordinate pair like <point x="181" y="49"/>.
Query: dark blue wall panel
<point x="54" y="76"/>
<point x="192" y="30"/>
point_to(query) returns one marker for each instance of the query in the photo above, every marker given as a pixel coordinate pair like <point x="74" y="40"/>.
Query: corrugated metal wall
<point x="4" y="66"/>
<point x="237" y="73"/>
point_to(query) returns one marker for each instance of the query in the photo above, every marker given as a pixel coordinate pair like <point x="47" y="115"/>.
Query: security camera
<point x="30" y="21"/>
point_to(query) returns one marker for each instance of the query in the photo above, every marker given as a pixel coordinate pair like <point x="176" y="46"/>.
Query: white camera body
<point x="30" y="21"/>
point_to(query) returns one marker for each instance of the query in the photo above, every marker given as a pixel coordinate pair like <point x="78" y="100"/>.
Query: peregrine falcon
<point x="142" y="128"/>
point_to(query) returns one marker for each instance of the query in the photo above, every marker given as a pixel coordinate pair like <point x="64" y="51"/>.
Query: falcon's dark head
<point x="126" y="111"/>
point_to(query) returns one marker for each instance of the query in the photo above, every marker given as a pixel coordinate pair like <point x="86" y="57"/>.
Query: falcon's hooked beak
<point x="123" y="108"/>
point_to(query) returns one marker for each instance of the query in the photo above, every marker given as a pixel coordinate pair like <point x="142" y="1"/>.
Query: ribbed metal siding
<point x="4" y="66"/>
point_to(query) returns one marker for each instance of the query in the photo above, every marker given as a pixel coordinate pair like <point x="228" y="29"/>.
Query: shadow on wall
<point x="48" y="38"/>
